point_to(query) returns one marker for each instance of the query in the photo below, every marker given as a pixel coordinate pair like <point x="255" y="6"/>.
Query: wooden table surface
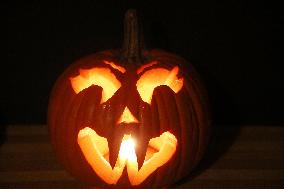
<point x="238" y="157"/>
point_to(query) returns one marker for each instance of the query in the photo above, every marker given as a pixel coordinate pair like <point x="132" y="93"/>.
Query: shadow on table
<point x="223" y="136"/>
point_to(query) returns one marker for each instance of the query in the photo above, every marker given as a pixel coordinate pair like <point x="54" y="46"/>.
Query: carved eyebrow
<point x="142" y="68"/>
<point x="102" y="77"/>
<point x="114" y="66"/>
<point x="157" y="77"/>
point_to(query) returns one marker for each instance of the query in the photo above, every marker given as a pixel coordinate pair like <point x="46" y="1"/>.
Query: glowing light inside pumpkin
<point x="142" y="68"/>
<point x="127" y="117"/>
<point x="114" y="66"/>
<point x="127" y="147"/>
<point x="157" y="77"/>
<point x="102" y="77"/>
<point x="94" y="147"/>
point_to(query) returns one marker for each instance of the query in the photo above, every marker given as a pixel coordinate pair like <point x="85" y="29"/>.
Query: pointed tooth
<point x="114" y="146"/>
<point x="141" y="149"/>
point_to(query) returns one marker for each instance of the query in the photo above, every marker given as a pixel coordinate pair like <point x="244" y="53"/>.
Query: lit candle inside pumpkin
<point x="95" y="150"/>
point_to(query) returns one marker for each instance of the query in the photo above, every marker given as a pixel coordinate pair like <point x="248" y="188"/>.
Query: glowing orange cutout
<point x="114" y="66"/>
<point x="95" y="148"/>
<point x="142" y="68"/>
<point x="127" y="117"/>
<point x="102" y="77"/>
<point x="157" y="77"/>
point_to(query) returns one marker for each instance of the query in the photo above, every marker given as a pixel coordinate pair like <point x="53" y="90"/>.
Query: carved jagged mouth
<point x="95" y="149"/>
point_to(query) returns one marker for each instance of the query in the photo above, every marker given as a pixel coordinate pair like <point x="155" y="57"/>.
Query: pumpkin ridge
<point x="64" y="118"/>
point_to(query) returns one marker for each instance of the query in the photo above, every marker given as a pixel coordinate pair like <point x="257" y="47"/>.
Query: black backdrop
<point x="227" y="42"/>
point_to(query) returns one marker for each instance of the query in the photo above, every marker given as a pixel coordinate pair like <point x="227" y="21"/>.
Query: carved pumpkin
<point x="129" y="118"/>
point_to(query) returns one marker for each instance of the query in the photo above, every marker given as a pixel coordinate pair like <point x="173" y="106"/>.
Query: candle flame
<point x="127" y="148"/>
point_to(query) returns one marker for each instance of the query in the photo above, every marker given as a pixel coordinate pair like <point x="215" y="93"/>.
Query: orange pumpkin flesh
<point x="129" y="119"/>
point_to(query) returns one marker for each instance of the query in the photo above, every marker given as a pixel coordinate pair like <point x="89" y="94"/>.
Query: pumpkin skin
<point x="185" y="114"/>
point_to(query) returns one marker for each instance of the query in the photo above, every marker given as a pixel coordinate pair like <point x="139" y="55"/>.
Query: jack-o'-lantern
<point x="129" y="118"/>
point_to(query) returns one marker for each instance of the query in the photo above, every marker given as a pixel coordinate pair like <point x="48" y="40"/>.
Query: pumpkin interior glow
<point x="102" y="77"/>
<point x="114" y="66"/>
<point x="142" y="68"/>
<point x="127" y="117"/>
<point x="96" y="151"/>
<point x="156" y="77"/>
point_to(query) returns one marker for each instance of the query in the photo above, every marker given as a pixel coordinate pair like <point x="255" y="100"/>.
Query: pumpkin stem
<point x="132" y="44"/>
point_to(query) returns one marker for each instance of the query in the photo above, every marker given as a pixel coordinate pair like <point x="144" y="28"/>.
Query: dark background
<point x="228" y="43"/>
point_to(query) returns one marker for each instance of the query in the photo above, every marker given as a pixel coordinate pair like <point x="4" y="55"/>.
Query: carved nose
<point x="127" y="117"/>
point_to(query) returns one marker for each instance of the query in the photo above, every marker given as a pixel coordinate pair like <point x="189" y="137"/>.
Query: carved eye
<point x="157" y="77"/>
<point x="102" y="77"/>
